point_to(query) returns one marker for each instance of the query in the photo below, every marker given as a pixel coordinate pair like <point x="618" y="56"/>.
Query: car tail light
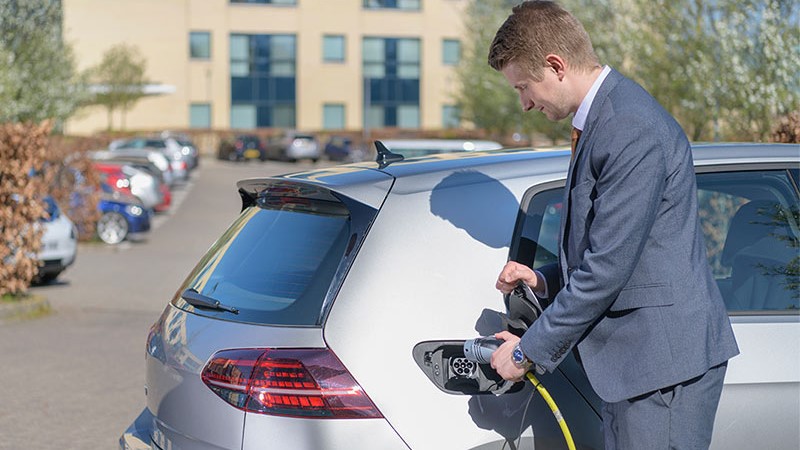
<point x="309" y="383"/>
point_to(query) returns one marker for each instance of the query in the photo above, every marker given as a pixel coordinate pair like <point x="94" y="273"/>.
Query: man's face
<point x="547" y="96"/>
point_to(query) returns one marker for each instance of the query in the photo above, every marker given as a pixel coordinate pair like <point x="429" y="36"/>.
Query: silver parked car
<point x="332" y="313"/>
<point x="180" y="159"/>
<point x="292" y="146"/>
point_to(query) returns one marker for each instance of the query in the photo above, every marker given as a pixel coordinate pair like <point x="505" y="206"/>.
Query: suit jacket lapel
<point x="608" y="84"/>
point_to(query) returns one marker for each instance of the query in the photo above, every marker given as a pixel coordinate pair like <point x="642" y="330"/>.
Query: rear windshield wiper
<point x="195" y="298"/>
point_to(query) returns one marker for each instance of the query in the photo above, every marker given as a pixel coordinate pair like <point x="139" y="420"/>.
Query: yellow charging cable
<point x="553" y="407"/>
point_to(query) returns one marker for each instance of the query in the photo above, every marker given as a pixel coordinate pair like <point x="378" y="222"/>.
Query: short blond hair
<point x="538" y="28"/>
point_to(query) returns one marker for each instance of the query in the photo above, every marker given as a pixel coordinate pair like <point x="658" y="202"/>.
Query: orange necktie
<point x="576" y="134"/>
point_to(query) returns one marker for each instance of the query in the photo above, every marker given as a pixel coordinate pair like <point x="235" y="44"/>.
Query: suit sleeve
<point x="629" y="171"/>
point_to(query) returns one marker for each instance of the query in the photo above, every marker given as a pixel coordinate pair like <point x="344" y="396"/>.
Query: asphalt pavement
<point x="74" y="379"/>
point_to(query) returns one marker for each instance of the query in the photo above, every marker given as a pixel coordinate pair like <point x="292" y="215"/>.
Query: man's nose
<point x="527" y="105"/>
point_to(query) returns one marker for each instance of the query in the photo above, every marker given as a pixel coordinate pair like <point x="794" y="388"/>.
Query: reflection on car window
<point x="751" y="225"/>
<point x="750" y="221"/>
<point x="277" y="261"/>
<point x="537" y="243"/>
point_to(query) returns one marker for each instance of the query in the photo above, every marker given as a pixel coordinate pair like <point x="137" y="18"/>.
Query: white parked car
<point x="333" y="312"/>
<point x="292" y="146"/>
<point x="59" y="243"/>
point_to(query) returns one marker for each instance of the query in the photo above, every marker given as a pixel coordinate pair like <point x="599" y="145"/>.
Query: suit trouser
<point x="676" y="417"/>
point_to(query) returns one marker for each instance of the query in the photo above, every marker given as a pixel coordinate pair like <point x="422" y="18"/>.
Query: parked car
<point x="59" y="243"/>
<point x="140" y="160"/>
<point x="342" y="149"/>
<point x="244" y="147"/>
<point x="186" y="146"/>
<point x="181" y="161"/>
<point x="411" y="148"/>
<point x="338" y="148"/>
<point x="122" y="216"/>
<point x="155" y="157"/>
<point x="129" y="180"/>
<point x="333" y="312"/>
<point x="292" y="146"/>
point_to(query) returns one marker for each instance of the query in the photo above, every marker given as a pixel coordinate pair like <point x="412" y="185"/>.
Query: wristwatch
<point x="519" y="358"/>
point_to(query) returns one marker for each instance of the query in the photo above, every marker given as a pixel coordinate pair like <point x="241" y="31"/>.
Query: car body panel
<point x="178" y="347"/>
<point x="765" y="377"/>
<point x="341" y="434"/>
<point x="474" y="251"/>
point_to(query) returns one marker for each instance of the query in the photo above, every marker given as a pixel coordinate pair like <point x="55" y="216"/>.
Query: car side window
<point x="750" y="222"/>
<point x="535" y="241"/>
<point x="751" y="225"/>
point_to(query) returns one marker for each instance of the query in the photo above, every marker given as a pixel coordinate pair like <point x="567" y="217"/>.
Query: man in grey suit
<point x="632" y="291"/>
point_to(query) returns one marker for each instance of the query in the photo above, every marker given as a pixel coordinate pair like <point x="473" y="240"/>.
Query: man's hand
<point x="514" y="272"/>
<point x="501" y="358"/>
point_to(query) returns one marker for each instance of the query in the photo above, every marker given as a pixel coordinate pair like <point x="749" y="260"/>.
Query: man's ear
<point x="556" y="64"/>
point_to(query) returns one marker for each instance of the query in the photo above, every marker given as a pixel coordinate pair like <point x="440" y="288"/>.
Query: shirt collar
<point x="579" y="119"/>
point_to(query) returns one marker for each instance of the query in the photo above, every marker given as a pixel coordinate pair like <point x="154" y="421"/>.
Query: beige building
<point x="306" y="64"/>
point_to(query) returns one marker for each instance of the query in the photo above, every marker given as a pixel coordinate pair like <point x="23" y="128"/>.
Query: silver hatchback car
<point x="332" y="313"/>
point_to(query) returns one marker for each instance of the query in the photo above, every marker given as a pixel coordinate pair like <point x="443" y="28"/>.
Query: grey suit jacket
<point x="633" y="288"/>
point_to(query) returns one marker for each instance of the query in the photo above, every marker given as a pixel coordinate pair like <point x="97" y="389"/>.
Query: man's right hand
<point x="514" y="272"/>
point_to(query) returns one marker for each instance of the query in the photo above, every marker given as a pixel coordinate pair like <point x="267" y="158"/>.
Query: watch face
<point x="518" y="356"/>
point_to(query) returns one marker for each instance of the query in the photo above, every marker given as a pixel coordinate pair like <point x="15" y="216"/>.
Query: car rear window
<point x="277" y="262"/>
<point x="248" y="140"/>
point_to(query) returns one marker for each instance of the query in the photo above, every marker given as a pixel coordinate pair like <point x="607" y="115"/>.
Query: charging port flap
<point x="446" y="366"/>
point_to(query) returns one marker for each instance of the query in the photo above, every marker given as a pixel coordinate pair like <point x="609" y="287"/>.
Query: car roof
<point x="512" y="163"/>
<point x="558" y="158"/>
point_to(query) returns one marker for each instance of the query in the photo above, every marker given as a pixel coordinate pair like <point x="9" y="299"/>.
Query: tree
<point x="38" y="79"/>
<point x="726" y="69"/>
<point x="120" y="79"/>
<point x="484" y="97"/>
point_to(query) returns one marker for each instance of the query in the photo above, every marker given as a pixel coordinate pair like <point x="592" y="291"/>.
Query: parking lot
<point x="74" y="379"/>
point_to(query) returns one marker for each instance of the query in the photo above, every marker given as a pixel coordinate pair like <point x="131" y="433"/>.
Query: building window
<point x="243" y="116"/>
<point x="333" y="116"/>
<point x="267" y="2"/>
<point x="263" y="80"/>
<point x="200" y="45"/>
<point x="391" y="68"/>
<point x="408" y="116"/>
<point x="410" y="5"/>
<point x="333" y="48"/>
<point x="451" y="52"/>
<point x="375" y="117"/>
<point x="451" y="116"/>
<point x="200" y="115"/>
